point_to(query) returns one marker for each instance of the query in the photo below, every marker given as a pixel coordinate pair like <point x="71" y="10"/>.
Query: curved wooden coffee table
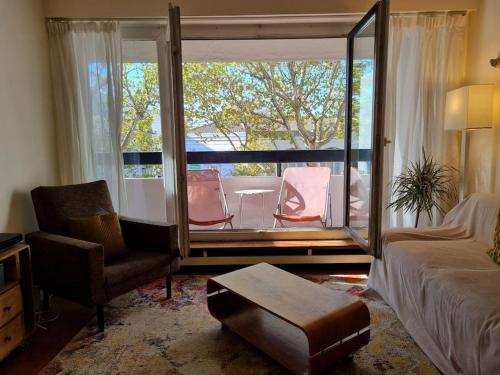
<point x="304" y="326"/>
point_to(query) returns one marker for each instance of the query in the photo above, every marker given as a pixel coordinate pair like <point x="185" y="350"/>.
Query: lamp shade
<point x="469" y="107"/>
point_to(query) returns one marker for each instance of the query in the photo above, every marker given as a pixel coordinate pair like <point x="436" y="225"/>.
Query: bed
<point x="444" y="287"/>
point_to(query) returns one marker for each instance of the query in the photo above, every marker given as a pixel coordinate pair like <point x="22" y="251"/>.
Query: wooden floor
<point x="39" y="349"/>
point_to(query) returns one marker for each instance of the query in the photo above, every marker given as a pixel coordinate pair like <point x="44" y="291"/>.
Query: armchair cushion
<point x="71" y="268"/>
<point x="102" y="229"/>
<point x="137" y="268"/>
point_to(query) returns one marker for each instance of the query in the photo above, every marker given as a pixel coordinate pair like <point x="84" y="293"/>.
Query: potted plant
<point x="426" y="185"/>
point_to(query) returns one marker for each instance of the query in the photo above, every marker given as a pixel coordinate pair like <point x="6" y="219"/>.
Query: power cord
<point x="44" y="316"/>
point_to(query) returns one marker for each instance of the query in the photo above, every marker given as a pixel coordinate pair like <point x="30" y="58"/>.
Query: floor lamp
<point x="468" y="108"/>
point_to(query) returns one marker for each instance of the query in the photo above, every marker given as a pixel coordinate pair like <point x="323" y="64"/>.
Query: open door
<point x="366" y="74"/>
<point x="177" y="141"/>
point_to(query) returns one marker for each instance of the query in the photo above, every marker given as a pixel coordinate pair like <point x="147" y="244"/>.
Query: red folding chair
<point x="207" y="203"/>
<point x="304" y="196"/>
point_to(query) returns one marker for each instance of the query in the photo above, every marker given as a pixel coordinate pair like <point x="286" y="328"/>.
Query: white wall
<point x="484" y="145"/>
<point x="27" y="146"/>
<point x="152" y="8"/>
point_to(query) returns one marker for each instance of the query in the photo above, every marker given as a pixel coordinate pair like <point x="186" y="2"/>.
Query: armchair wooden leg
<point x="100" y="318"/>
<point x="168" y="285"/>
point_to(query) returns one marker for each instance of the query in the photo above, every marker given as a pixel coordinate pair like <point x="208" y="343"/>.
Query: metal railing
<point x="234" y="157"/>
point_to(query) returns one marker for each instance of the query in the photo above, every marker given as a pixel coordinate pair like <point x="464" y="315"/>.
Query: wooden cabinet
<point x="17" y="316"/>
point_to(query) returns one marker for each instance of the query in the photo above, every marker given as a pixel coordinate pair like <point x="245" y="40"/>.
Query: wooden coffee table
<point x="304" y="326"/>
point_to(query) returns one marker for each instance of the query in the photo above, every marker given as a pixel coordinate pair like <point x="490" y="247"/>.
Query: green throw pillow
<point x="494" y="252"/>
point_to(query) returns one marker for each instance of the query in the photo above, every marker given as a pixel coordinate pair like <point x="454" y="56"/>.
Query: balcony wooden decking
<point x="275" y="244"/>
<point x="301" y="251"/>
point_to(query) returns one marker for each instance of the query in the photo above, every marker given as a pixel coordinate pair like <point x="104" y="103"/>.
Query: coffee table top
<point x="292" y="298"/>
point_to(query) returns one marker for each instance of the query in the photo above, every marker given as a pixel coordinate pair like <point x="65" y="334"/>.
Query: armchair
<point x="75" y="269"/>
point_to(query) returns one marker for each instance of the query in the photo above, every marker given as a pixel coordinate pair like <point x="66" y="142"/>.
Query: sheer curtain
<point x="87" y="80"/>
<point x="426" y="58"/>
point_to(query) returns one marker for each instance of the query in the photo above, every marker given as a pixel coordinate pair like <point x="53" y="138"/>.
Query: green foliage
<point x="141" y="103"/>
<point x="360" y="68"/>
<point x="302" y="102"/>
<point x="143" y="171"/>
<point x="424" y="186"/>
<point x="255" y="169"/>
<point x="298" y="101"/>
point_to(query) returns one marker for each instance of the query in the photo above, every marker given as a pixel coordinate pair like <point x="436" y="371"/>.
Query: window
<point x="141" y="130"/>
<point x="263" y="95"/>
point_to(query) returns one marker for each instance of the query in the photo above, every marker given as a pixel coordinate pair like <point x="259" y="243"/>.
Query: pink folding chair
<point x="304" y="195"/>
<point x="206" y="199"/>
<point x="359" y="199"/>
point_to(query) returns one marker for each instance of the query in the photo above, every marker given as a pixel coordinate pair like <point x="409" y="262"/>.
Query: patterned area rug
<point x="145" y="334"/>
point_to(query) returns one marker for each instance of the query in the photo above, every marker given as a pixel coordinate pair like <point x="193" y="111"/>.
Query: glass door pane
<point x="365" y="120"/>
<point x="141" y="136"/>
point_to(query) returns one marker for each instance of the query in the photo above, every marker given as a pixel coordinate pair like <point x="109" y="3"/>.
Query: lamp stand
<point x="463" y="163"/>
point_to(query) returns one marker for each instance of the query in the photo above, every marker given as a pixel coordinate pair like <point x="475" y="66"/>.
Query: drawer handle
<point x="7" y="308"/>
<point x="7" y="339"/>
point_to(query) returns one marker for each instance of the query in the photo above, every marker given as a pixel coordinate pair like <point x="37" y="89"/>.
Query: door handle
<point x="386" y="141"/>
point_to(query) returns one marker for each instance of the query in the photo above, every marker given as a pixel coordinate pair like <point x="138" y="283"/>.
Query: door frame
<point x="175" y="42"/>
<point x="381" y="12"/>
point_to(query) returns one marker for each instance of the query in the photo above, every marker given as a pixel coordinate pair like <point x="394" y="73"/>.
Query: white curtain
<point x="87" y="80"/>
<point x="426" y="58"/>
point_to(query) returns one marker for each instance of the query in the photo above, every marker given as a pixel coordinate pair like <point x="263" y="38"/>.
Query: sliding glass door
<point x="366" y="69"/>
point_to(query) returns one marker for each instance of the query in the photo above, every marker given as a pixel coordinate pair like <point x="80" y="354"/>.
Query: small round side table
<point x="249" y="192"/>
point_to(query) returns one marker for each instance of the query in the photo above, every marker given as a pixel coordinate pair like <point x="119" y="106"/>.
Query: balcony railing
<point x="146" y="196"/>
<point x="234" y="157"/>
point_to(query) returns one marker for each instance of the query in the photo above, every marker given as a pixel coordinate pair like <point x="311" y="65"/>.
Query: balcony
<point x="146" y="198"/>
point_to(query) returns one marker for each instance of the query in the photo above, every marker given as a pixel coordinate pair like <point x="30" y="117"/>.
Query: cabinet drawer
<point x="11" y="335"/>
<point x="11" y="304"/>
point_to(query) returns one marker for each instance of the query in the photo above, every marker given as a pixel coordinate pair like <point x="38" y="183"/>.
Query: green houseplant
<point x="426" y="185"/>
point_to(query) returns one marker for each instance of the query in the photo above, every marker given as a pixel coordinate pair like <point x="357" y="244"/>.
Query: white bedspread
<point x="445" y="289"/>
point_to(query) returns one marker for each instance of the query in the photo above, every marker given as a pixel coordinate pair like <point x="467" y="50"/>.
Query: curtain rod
<point x="63" y="19"/>
<point x="431" y="13"/>
<point x="188" y="18"/>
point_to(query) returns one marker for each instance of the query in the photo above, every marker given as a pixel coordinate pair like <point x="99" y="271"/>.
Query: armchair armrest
<point x="68" y="267"/>
<point x="144" y="235"/>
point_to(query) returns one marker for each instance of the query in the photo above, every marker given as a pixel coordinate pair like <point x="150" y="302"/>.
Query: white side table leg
<point x="241" y="210"/>
<point x="263" y="210"/>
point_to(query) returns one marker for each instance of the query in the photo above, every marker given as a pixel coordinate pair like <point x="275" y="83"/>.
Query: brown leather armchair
<point x="75" y="269"/>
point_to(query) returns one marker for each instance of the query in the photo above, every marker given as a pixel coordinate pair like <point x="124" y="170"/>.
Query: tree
<point x="254" y="105"/>
<point x="308" y="96"/>
<point x="302" y="102"/>
<point x="141" y="104"/>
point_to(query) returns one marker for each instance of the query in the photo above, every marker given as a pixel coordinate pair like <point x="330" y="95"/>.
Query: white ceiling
<point x="263" y="50"/>
<point x="244" y="50"/>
